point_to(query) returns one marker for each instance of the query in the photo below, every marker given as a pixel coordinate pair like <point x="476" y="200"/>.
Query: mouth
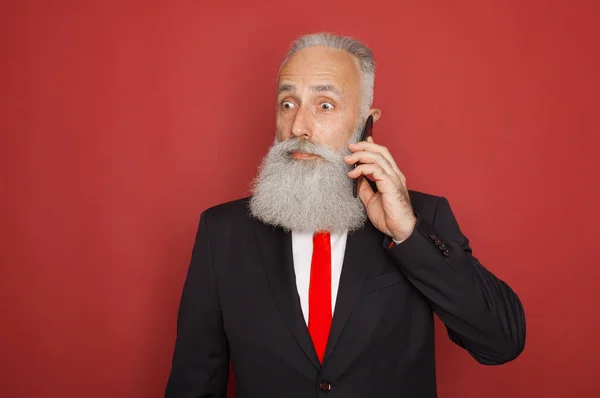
<point x="303" y="155"/>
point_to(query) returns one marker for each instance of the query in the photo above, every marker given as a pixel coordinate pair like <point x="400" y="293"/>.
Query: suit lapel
<point x="355" y="270"/>
<point x="276" y="250"/>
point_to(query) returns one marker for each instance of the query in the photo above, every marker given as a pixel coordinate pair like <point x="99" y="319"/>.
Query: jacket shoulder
<point x="423" y="197"/>
<point x="228" y="218"/>
<point x="235" y="210"/>
<point x="424" y="204"/>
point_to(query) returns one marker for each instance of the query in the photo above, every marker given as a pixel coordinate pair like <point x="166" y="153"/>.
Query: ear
<point x="376" y="113"/>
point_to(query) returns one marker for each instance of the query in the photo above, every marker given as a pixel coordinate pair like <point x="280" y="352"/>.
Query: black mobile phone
<point x="367" y="132"/>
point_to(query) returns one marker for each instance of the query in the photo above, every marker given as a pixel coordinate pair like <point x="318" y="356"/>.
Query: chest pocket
<point x="382" y="282"/>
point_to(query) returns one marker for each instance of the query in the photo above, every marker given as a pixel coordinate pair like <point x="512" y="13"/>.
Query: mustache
<point x="295" y="144"/>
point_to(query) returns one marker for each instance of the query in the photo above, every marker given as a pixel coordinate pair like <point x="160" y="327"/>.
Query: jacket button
<point x="433" y="237"/>
<point x="442" y="247"/>
<point x="325" y="386"/>
<point x="446" y="253"/>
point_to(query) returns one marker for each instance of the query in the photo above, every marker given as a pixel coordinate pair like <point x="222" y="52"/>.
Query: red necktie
<point x="319" y="293"/>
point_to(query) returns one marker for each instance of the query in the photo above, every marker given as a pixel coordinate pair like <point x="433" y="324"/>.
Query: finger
<point x="385" y="182"/>
<point x="370" y="158"/>
<point x="365" y="192"/>
<point x="369" y="169"/>
<point x="385" y="153"/>
<point x="370" y="146"/>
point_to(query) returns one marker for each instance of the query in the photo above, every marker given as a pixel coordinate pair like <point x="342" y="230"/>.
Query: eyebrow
<point x="319" y="88"/>
<point x="286" y="87"/>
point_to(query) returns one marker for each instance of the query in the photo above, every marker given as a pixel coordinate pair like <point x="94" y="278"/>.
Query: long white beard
<point x="306" y="195"/>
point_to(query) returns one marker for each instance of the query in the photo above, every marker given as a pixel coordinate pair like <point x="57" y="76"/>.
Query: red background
<point x="121" y="121"/>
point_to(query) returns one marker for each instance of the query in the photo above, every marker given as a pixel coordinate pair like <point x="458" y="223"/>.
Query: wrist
<point x="401" y="236"/>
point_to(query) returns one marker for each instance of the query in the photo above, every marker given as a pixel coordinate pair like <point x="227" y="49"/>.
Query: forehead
<point x="321" y="65"/>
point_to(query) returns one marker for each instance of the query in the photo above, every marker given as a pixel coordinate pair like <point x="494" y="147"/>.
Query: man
<point x="310" y="292"/>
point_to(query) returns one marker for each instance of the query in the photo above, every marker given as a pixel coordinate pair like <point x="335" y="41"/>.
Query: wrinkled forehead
<point x="321" y="66"/>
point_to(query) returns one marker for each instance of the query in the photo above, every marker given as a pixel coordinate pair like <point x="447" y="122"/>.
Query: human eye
<point x="326" y="106"/>
<point x="286" y="105"/>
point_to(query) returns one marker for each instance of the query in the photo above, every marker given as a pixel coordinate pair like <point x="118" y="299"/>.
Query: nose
<point x="301" y="126"/>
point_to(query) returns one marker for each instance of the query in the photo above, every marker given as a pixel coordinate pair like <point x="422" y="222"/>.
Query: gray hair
<point x="353" y="47"/>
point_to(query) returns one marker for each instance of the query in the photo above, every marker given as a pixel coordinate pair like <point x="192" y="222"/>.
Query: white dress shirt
<point x="302" y="248"/>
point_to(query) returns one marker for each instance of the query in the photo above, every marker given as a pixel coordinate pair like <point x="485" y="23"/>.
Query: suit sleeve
<point x="482" y="313"/>
<point x="200" y="362"/>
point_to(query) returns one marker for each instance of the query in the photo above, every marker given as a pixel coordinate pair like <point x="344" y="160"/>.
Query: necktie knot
<point x="321" y="236"/>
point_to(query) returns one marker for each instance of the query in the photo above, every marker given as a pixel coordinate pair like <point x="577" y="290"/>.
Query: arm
<point x="201" y="361"/>
<point x="481" y="313"/>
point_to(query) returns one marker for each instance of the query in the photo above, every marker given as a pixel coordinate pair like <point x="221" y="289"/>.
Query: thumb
<point x="365" y="192"/>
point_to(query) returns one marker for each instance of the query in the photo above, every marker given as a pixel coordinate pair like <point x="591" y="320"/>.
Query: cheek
<point x="332" y="136"/>
<point x="337" y="131"/>
<point x="282" y="128"/>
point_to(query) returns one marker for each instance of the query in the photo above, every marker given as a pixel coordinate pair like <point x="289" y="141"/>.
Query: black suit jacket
<point x="240" y="303"/>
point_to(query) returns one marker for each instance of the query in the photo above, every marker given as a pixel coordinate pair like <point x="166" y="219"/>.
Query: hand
<point x="389" y="209"/>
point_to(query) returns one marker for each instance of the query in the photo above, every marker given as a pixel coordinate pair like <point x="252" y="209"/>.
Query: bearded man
<point x="310" y="292"/>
